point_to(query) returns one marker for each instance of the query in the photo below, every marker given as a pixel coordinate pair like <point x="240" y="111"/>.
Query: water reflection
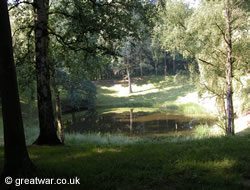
<point x="131" y="120"/>
<point x="133" y="123"/>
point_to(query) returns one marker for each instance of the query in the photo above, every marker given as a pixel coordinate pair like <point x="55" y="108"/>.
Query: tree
<point x="170" y="27"/>
<point x="48" y="130"/>
<point x="87" y="27"/>
<point x="128" y="67"/>
<point x="217" y="50"/>
<point x="214" y="35"/>
<point x="229" y="69"/>
<point x="16" y="159"/>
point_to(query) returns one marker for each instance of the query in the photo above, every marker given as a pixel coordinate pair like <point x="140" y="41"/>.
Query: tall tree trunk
<point x="225" y="114"/>
<point x="128" y="75"/>
<point x="59" y="122"/>
<point x="48" y="130"/>
<point x="129" y="81"/>
<point x="16" y="159"/>
<point x="229" y="93"/>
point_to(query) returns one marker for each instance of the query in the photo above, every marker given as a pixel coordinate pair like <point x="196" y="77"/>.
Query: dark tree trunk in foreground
<point x="16" y="159"/>
<point x="229" y="93"/>
<point x="48" y="130"/>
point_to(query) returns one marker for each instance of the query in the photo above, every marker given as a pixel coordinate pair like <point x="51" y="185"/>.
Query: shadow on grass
<point x="215" y="163"/>
<point x="109" y="83"/>
<point x="155" y="80"/>
<point x="105" y="91"/>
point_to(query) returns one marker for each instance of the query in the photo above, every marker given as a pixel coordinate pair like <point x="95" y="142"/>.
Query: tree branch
<point x="20" y="2"/>
<point x="222" y="32"/>
<point x="215" y="93"/>
<point x="208" y="63"/>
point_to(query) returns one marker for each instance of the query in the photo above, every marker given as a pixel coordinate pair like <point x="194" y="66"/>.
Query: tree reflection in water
<point x="133" y="123"/>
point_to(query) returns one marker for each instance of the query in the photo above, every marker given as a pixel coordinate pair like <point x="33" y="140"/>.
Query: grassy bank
<point x="213" y="163"/>
<point x="165" y="93"/>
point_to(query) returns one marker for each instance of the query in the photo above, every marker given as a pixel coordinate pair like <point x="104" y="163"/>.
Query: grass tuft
<point x="91" y="138"/>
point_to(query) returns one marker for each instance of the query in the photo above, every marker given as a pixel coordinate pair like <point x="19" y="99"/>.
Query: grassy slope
<point x="152" y="92"/>
<point x="216" y="163"/>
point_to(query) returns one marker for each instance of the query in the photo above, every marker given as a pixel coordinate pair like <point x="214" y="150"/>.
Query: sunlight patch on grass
<point x="242" y="125"/>
<point x="157" y="92"/>
<point x="118" y="90"/>
<point x="208" y="105"/>
<point x="191" y="97"/>
<point x="225" y="163"/>
<point x="204" y="131"/>
<point x="168" y="88"/>
<point x="99" y="150"/>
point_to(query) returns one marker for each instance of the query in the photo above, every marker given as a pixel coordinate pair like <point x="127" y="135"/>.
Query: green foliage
<point x="22" y="24"/>
<point x="199" y="33"/>
<point x="205" y="131"/>
<point x="78" y="88"/>
<point x="170" y="25"/>
<point x="95" y="26"/>
<point x="181" y="77"/>
<point x="90" y="93"/>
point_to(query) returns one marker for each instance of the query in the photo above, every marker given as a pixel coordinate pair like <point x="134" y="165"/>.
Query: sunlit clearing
<point x="216" y="131"/>
<point x="242" y="124"/>
<point x="191" y="97"/>
<point x="208" y="103"/>
<point x="122" y="91"/>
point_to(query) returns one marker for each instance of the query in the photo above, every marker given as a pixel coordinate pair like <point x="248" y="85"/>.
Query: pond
<point x="131" y="123"/>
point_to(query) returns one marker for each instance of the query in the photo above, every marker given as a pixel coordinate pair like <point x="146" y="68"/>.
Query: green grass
<point x="204" y="131"/>
<point x="150" y="92"/>
<point x="96" y="138"/>
<point x="213" y="163"/>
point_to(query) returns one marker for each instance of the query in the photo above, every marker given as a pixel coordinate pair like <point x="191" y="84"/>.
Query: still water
<point x="131" y="123"/>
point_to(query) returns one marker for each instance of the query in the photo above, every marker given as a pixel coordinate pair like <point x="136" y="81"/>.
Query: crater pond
<point x="141" y="123"/>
